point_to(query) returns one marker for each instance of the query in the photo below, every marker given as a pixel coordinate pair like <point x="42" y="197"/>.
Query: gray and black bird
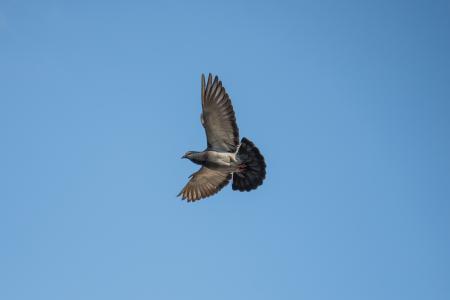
<point x="224" y="158"/>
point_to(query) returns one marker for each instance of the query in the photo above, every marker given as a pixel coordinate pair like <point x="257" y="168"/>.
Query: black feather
<point x="255" y="172"/>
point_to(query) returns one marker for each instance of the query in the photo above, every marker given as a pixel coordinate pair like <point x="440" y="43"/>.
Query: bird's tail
<point x="252" y="168"/>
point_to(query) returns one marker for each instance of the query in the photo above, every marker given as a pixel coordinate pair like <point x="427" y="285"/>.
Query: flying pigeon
<point x="224" y="157"/>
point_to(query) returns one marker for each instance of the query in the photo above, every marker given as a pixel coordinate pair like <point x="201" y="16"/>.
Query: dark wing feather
<point x="218" y="117"/>
<point x="204" y="183"/>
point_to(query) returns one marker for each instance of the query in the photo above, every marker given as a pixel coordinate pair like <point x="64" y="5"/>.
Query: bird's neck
<point x="198" y="158"/>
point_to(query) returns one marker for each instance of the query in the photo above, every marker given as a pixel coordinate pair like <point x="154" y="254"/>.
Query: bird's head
<point x="188" y="155"/>
<point x="194" y="156"/>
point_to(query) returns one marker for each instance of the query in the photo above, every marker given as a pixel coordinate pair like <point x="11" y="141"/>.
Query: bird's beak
<point x="184" y="156"/>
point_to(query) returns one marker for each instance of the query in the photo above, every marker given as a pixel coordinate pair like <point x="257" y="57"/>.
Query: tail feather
<point x="254" y="171"/>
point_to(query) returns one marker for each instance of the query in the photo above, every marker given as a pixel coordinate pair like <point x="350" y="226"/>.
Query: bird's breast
<point x="220" y="159"/>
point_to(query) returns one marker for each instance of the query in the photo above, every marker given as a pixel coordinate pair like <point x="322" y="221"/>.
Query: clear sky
<point x="349" y="101"/>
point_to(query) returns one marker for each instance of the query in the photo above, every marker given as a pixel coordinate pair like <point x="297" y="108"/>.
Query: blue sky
<point x="349" y="101"/>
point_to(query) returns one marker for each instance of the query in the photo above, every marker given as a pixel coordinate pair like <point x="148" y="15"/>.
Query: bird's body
<point x="214" y="159"/>
<point x="224" y="157"/>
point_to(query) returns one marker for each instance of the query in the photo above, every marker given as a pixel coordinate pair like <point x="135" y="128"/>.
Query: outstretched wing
<point x="218" y="117"/>
<point x="204" y="183"/>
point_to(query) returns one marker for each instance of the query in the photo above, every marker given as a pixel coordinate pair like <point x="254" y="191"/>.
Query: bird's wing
<point x="218" y="117"/>
<point x="204" y="183"/>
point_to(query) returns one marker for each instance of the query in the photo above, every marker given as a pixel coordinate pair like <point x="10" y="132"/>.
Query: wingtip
<point x="203" y="90"/>
<point x="210" y="77"/>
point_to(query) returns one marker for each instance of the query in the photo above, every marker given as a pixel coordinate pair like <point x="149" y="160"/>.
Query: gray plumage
<point x="224" y="157"/>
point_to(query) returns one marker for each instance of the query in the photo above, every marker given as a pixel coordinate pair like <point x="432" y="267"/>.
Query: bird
<point x="225" y="157"/>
